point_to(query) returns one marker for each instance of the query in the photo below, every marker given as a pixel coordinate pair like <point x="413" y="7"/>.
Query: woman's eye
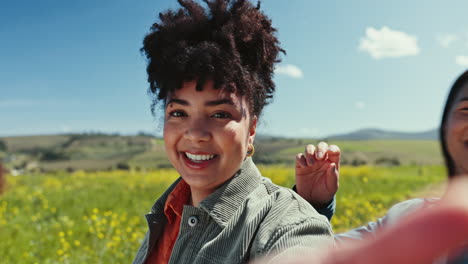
<point x="463" y="109"/>
<point x="222" y="115"/>
<point x="177" y="114"/>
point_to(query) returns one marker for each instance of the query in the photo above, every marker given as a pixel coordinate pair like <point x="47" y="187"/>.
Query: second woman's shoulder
<point x="399" y="210"/>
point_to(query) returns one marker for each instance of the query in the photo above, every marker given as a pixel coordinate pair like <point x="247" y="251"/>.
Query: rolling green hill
<point x="102" y="152"/>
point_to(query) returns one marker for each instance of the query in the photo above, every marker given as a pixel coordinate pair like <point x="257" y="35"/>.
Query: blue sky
<point x="74" y="66"/>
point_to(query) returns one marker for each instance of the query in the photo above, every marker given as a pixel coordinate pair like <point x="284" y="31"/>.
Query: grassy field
<point x="98" y="217"/>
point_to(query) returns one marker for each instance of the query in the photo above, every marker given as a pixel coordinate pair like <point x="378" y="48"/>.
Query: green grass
<point x="367" y="192"/>
<point x="98" y="217"/>
<point x="77" y="218"/>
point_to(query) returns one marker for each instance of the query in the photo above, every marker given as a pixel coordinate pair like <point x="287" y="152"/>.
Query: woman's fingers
<point x="334" y="155"/>
<point x="310" y="154"/>
<point x="322" y="149"/>
<point x="323" y="152"/>
<point x="301" y="160"/>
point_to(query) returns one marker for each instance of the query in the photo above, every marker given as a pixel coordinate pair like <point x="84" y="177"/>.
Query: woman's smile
<point x="198" y="161"/>
<point x="199" y="157"/>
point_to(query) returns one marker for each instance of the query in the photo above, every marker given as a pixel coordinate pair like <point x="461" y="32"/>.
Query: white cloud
<point x="445" y="40"/>
<point x="360" y="105"/>
<point x="289" y="70"/>
<point x="462" y="60"/>
<point x="388" y="43"/>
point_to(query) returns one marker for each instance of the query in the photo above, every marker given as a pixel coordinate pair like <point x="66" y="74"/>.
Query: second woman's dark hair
<point x="456" y="87"/>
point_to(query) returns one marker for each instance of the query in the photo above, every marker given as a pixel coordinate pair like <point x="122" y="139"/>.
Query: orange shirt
<point x="173" y="210"/>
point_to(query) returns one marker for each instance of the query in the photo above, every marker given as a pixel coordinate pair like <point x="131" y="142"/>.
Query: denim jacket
<point x="245" y="218"/>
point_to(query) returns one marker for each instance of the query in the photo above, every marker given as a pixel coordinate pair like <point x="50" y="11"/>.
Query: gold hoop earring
<point x="250" y="151"/>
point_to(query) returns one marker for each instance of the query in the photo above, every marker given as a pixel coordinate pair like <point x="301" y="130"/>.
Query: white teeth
<point x="199" y="157"/>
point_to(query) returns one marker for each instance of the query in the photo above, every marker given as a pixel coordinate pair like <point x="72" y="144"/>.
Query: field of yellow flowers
<point x="98" y="217"/>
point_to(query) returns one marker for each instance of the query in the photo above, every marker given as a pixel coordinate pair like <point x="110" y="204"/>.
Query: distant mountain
<point x="372" y="133"/>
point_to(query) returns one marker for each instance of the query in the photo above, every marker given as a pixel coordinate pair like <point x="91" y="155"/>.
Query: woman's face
<point x="457" y="131"/>
<point x="206" y="134"/>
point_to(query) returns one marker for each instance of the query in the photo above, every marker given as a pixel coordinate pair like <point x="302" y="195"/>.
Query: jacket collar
<point x="227" y="198"/>
<point x="225" y="201"/>
<point x="159" y="205"/>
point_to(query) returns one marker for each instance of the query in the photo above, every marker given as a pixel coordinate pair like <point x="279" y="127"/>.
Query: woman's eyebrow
<point x="177" y="101"/>
<point x="220" y="102"/>
<point x="463" y="99"/>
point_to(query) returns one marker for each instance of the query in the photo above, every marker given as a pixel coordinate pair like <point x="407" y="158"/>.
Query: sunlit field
<point x="87" y="217"/>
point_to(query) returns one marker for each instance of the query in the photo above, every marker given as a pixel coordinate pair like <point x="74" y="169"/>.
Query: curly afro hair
<point x="230" y="42"/>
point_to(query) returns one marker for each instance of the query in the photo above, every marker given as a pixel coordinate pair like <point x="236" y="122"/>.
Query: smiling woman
<point x="454" y="128"/>
<point x="207" y="132"/>
<point x="212" y="70"/>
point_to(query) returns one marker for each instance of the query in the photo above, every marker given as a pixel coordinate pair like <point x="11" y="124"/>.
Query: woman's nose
<point x="198" y="131"/>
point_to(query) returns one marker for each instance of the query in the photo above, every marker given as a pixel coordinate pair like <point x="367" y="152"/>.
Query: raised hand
<point x="317" y="173"/>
